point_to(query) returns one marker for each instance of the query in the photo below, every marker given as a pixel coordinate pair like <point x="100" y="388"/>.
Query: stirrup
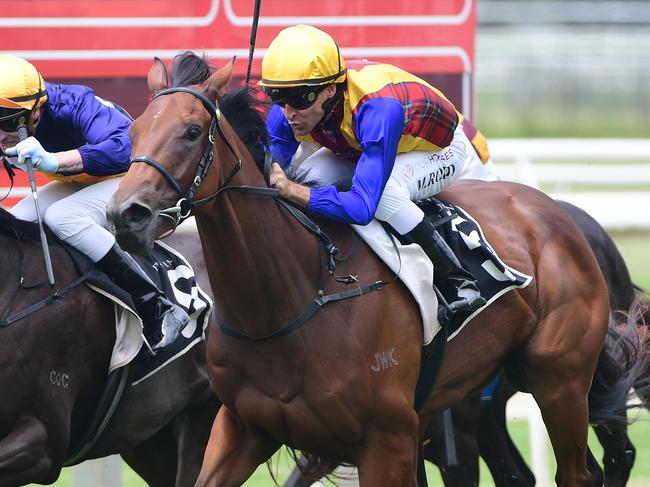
<point x="174" y="321"/>
<point x="467" y="304"/>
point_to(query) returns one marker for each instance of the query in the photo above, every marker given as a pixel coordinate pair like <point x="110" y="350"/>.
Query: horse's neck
<point x="263" y="265"/>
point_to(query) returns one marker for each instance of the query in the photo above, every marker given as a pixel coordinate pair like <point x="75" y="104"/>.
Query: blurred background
<point x="561" y="89"/>
<point x="563" y="68"/>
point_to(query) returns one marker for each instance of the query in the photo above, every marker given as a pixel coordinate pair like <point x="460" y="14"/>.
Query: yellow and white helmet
<point x="302" y="55"/>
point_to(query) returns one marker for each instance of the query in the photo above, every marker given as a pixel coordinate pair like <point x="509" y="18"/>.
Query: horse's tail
<point x="624" y="363"/>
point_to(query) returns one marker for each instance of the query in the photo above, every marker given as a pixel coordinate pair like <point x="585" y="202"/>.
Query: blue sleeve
<point x="105" y="129"/>
<point x="379" y="124"/>
<point x="281" y="138"/>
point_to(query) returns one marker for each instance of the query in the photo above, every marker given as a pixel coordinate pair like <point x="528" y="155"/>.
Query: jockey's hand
<point x="279" y="180"/>
<point x="289" y="190"/>
<point x="30" y="147"/>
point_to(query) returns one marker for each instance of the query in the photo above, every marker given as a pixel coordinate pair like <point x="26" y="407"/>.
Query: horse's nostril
<point x="136" y="213"/>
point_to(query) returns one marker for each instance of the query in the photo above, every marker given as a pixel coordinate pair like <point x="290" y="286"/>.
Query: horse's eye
<point x="193" y="132"/>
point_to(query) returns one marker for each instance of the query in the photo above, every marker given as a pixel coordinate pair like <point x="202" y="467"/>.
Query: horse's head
<point x="172" y="150"/>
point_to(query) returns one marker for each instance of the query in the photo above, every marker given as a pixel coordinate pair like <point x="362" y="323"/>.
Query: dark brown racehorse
<point x="54" y="366"/>
<point x="313" y="387"/>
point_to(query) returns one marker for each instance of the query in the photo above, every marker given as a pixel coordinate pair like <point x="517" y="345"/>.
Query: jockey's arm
<point x="105" y="129"/>
<point x="379" y="124"/>
<point x="70" y="162"/>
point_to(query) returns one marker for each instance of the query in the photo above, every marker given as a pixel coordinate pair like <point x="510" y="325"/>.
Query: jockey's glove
<point x="42" y="160"/>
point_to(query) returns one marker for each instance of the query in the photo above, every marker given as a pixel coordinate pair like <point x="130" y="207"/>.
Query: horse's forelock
<point x="189" y="69"/>
<point x="244" y="112"/>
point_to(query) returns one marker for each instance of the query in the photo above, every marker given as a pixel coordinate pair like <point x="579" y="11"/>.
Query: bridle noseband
<point x="186" y="203"/>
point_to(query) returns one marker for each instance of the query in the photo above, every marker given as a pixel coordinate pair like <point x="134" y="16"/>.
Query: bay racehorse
<point x="54" y="366"/>
<point x="479" y="421"/>
<point x="310" y="383"/>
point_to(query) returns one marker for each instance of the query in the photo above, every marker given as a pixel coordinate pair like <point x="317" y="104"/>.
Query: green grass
<point x="635" y="248"/>
<point x="504" y="115"/>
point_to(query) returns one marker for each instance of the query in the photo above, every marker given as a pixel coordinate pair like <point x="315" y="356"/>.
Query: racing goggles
<point x="10" y="118"/>
<point x="299" y="98"/>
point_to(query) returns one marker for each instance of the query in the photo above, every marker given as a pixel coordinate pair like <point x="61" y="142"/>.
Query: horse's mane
<point x="18" y="229"/>
<point x="240" y="106"/>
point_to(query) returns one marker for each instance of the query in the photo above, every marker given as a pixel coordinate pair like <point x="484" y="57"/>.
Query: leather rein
<point x="186" y="204"/>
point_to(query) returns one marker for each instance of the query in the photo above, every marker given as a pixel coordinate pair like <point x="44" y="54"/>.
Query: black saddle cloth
<point x="465" y="237"/>
<point x="174" y="277"/>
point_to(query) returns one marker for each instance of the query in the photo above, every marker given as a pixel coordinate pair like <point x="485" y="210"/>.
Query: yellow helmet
<point x="21" y="85"/>
<point x="302" y="55"/>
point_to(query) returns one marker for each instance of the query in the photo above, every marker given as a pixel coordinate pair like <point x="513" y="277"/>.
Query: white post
<point x="104" y="472"/>
<point x="539" y="446"/>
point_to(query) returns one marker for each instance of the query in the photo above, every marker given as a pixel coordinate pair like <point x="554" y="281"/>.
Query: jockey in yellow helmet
<point x="82" y="142"/>
<point x="399" y="136"/>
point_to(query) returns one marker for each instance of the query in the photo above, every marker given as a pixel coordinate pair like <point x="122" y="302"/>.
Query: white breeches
<point x="415" y="176"/>
<point x="75" y="212"/>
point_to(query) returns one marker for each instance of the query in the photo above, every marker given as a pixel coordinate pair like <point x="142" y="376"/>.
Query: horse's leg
<point x="559" y="368"/>
<point x="389" y="457"/>
<point x="465" y="418"/>
<point x="597" y="476"/>
<point x="501" y="455"/>
<point x="192" y="430"/>
<point x="172" y="457"/>
<point x="24" y="455"/>
<point x="618" y="453"/>
<point x="155" y="460"/>
<point x="234" y="451"/>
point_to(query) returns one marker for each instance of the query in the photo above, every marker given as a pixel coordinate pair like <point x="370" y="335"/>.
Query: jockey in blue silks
<point x="81" y="142"/>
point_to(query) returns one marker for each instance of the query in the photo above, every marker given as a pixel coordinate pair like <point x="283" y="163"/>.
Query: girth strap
<point x="318" y="303"/>
<point x="44" y="302"/>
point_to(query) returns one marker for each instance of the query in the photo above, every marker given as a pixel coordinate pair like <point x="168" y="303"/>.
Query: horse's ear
<point x="157" y="76"/>
<point x="215" y="85"/>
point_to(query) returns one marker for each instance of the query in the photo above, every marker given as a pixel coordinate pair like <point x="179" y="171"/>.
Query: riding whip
<point x="22" y="133"/>
<point x="256" y="17"/>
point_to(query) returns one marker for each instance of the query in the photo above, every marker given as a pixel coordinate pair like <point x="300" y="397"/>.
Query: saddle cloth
<point x="466" y="239"/>
<point x="175" y="277"/>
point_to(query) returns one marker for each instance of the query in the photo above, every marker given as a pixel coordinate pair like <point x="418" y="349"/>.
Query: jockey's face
<point x="8" y="139"/>
<point x="9" y="135"/>
<point x="303" y="121"/>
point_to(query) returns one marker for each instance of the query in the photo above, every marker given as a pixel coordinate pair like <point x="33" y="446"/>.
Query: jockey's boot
<point x="456" y="285"/>
<point x="165" y="319"/>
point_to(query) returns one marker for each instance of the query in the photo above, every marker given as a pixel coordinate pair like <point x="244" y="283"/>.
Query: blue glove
<point x="30" y="147"/>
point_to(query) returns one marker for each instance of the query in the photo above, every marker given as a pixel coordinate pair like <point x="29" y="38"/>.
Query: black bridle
<point x="186" y="203"/>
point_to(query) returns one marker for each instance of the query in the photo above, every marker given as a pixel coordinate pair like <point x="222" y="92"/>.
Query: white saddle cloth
<point x="416" y="272"/>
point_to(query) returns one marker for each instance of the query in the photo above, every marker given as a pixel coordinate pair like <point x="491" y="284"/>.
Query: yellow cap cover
<point x="21" y="85"/>
<point x="302" y="55"/>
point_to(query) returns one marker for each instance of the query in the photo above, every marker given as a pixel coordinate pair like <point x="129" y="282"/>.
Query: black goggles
<point x="299" y="98"/>
<point x="10" y="118"/>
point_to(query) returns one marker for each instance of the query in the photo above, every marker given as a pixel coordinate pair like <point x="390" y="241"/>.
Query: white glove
<point x="30" y="147"/>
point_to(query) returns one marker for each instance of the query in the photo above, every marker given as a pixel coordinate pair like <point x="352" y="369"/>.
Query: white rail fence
<point x="568" y="169"/>
<point x="558" y="166"/>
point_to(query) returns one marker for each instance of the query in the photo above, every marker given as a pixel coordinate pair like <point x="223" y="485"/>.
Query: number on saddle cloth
<point x="465" y="238"/>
